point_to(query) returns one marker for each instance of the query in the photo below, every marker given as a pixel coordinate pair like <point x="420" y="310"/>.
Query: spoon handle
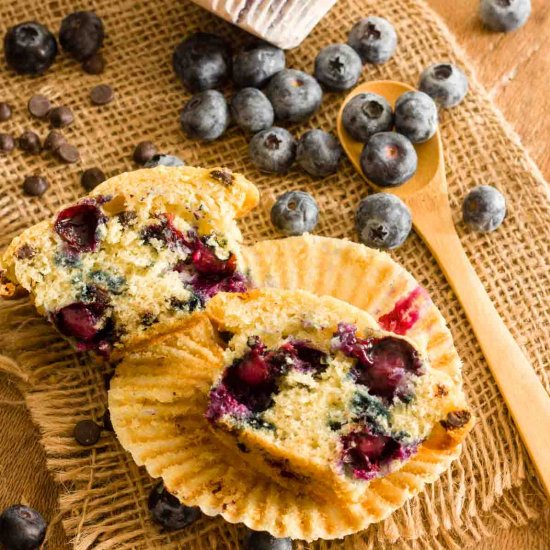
<point x="527" y="400"/>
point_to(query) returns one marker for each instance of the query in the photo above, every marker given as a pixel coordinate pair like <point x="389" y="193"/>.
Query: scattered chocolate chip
<point x="456" y="419"/>
<point x="87" y="432"/>
<point x="60" y="117"/>
<point x="54" y="141"/>
<point x="35" y="185"/>
<point x="30" y="142"/>
<point x="107" y="424"/>
<point x="91" y="178"/>
<point x="144" y="151"/>
<point x="102" y="94"/>
<point x="223" y="176"/>
<point x="5" y="111"/>
<point x="68" y="153"/>
<point x="39" y="106"/>
<point x="7" y="143"/>
<point x="25" y="252"/>
<point x="94" y="64"/>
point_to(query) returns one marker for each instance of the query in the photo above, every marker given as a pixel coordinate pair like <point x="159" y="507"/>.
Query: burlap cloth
<point x="102" y="493"/>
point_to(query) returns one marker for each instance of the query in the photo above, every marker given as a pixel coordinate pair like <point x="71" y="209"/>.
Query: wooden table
<point x="514" y="68"/>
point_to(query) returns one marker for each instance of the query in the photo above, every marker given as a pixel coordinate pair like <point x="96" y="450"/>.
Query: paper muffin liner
<point x="157" y="407"/>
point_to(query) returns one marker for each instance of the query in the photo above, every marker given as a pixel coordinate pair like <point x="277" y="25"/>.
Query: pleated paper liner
<point x="159" y="396"/>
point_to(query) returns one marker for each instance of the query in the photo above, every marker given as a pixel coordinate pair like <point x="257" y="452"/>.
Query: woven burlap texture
<point x="102" y="493"/>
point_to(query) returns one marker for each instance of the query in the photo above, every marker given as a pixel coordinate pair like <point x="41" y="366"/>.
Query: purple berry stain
<point x="405" y="313"/>
<point x="77" y="226"/>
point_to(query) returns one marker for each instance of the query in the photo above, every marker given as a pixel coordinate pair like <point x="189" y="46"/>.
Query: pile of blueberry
<point x="31" y="48"/>
<point x="269" y="93"/>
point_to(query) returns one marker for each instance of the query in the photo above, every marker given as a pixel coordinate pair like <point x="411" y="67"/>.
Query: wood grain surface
<point x="515" y="69"/>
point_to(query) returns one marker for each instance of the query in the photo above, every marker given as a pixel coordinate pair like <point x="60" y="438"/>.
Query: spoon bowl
<point x="430" y="153"/>
<point x="426" y="196"/>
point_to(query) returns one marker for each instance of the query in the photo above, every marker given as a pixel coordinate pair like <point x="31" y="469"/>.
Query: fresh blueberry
<point x="29" y="48"/>
<point x="446" y="84"/>
<point x="294" y="213"/>
<point x="202" y="61"/>
<point x="295" y="95"/>
<point x="367" y="114"/>
<point x="262" y="540"/>
<point x="383" y="221"/>
<point x="416" y="116"/>
<point x="374" y="39"/>
<point x="504" y="15"/>
<point x="21" y="528"/>
<point x="256" y="64"/>
<point x="273" y="150"/>
<point x="251" y="110"/>
<point x="338" y="67"/>
<point x="81" y="34"/>
<point x="205" y="116"/>
<point x="168" y="511"/>
<point x="164" y="160"/>
<point x="484" y="208"/>
<point x="318" y="153"/>
<point x="388" y="159"/>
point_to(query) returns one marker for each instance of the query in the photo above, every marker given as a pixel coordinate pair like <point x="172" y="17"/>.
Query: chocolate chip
<point x="68" y="153"/>
<point x="25" y="252"/>
<point x="94" y="64"/>
<point x="5" y="111"/>
<point x="30" y="142"/>
<point x="456" y="419"/>
<point x="60" y="117"/>
<point x="91" y="178"/>
<point x="107" y="424"/>
<point x="87" y="432"/>
<point x="102" y="94"/>
<point x="144" y="151"/>
<point x="54" y="141"/>
<point x="39" y="106"/>
<point x="223" y="176"/>
<point x="7" y="143"/>
<point x="35" y="185"/>
<point x="126" y="218"/>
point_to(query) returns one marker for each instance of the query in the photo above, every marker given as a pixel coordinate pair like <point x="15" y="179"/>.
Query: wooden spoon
<point x="426" y="196"/>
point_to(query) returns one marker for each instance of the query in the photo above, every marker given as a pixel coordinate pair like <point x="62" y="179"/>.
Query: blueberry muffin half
<point x="318" y="398"/>
<point x="137" y="255"/>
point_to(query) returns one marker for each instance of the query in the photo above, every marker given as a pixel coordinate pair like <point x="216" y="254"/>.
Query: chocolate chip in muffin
<point x="30" y="142"/>
<point x="54" y="140"/>
<point x="68" y="153"/>
<point x="87" y="432"/>
<point x="5" y="111"/>
<point x="456" y="419"/>
<point x="126" y="218"/>
<point x="25" y="252"/>
<point x="94" y="64"/>
<point x="102" y="94"/>
<point x="223" y="176"/>
<point x="35" y="186"/>
<point x="92" y="177"/>
<point x="39" y="106"/>
<point x="61" y="117"/>
<point x="148" y="319"/>
<point x="7" y="144"/>
<point x="144" y="151"/>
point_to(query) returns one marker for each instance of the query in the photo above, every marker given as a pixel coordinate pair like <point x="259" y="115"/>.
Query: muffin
<point x="140" y="253"/>
<point x="321" y="399"/>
